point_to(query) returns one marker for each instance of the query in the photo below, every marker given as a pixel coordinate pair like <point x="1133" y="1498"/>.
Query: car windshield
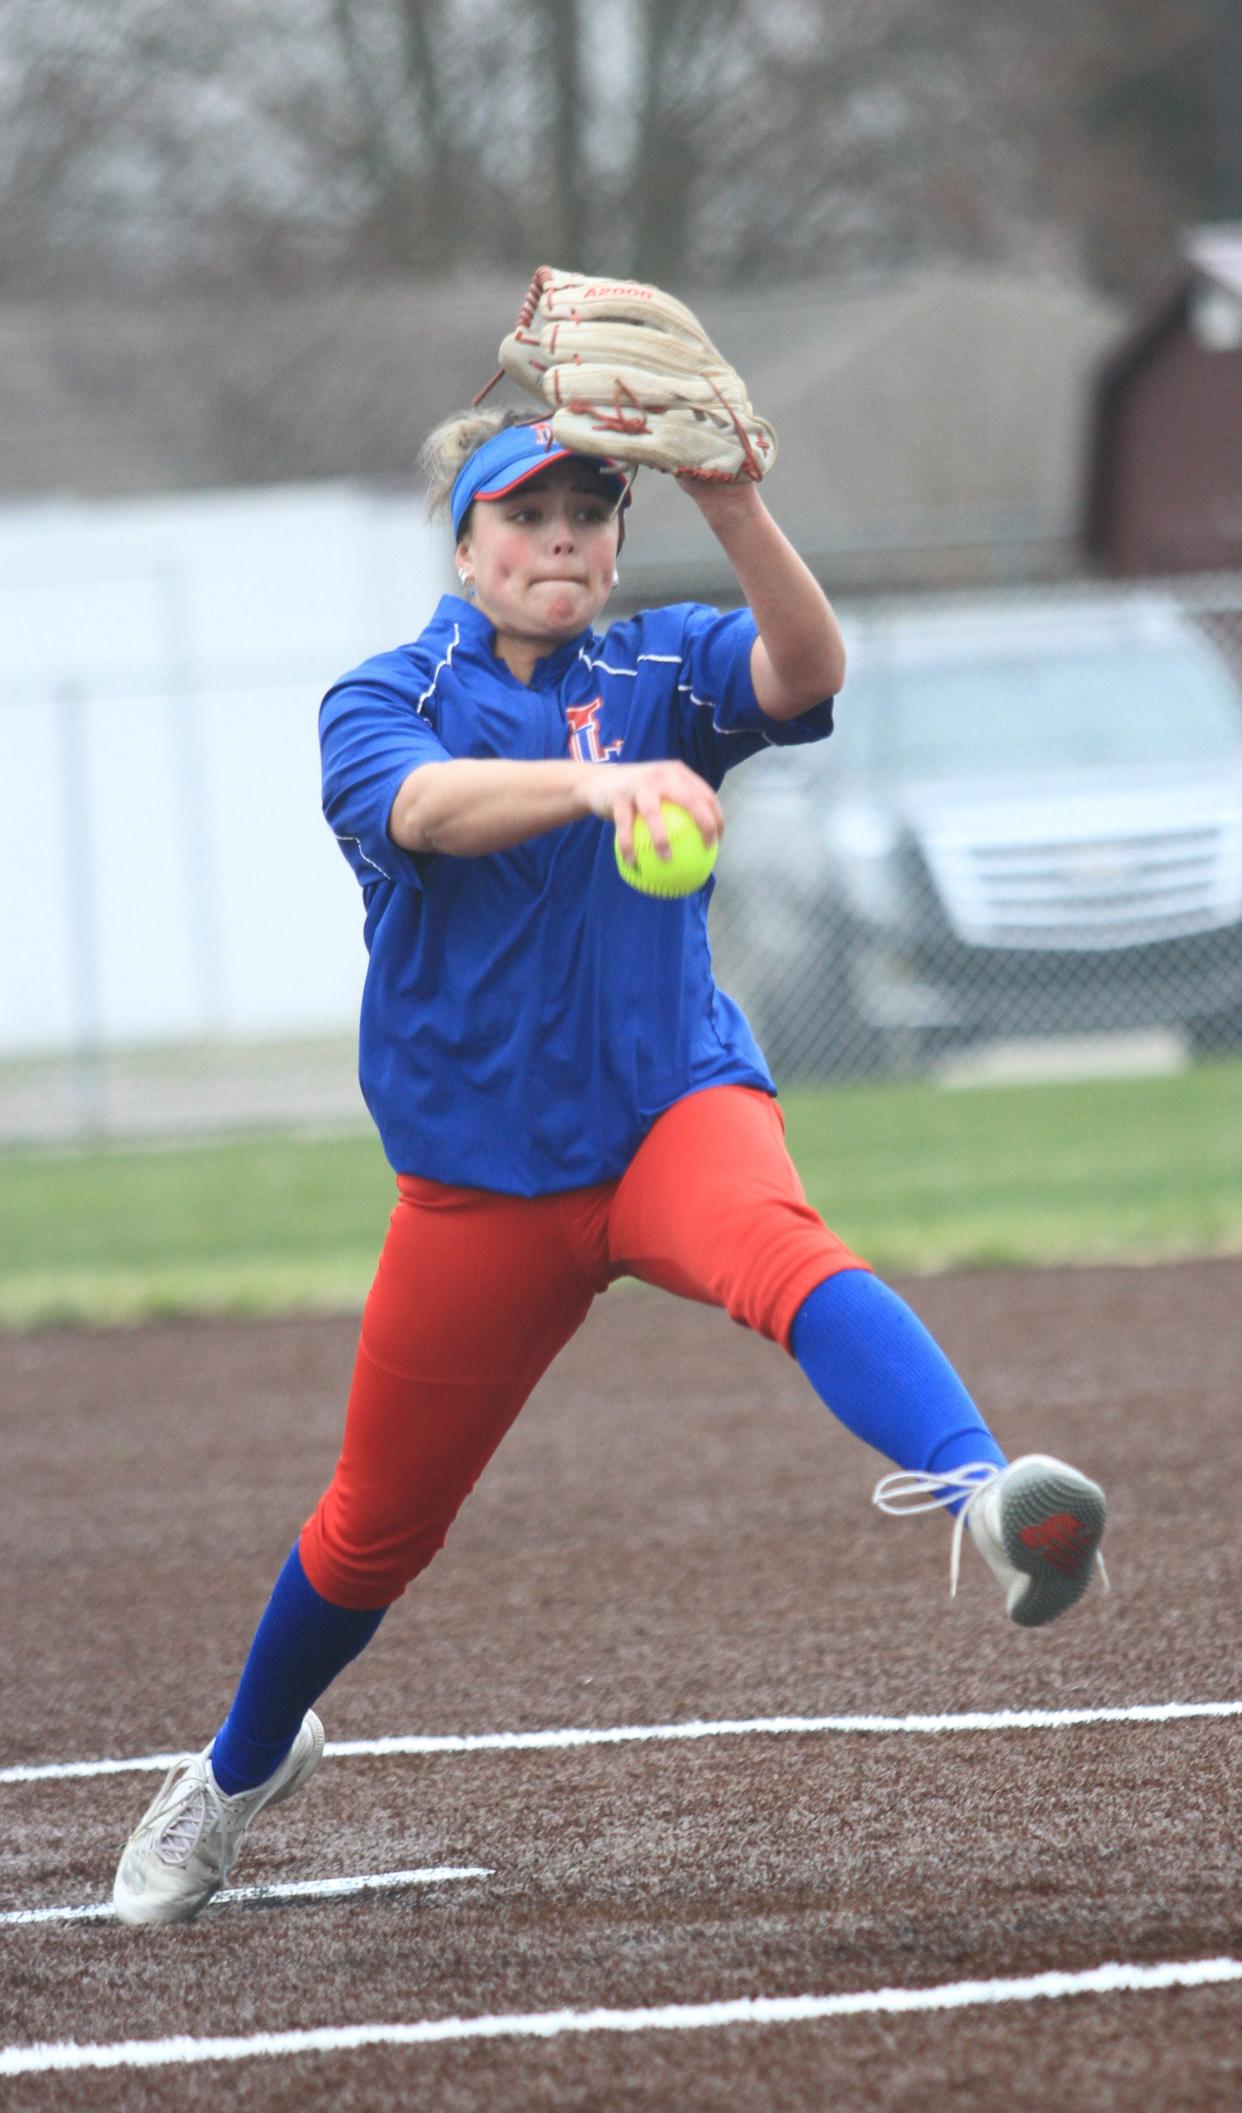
<point x="1104" y="707"/>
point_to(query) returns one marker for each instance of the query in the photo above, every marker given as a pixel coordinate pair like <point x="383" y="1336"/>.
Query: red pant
<point x="476" y="1292"/>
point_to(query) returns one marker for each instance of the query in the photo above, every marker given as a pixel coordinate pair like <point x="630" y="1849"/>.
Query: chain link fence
<point x="1026" y="831"/>
<point x="1025" y="834"/>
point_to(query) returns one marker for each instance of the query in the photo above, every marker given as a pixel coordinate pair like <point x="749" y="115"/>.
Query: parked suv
<point x="1029" y="821"/>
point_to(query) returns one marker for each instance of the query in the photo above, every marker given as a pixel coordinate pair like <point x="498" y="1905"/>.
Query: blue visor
<point x="514" y="455"/>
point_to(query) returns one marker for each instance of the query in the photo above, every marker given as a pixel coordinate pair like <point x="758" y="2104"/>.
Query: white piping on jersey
<point x="447" y="662"/>
<point x="705" y="704"/>
<point x="362" y="854"/>
<point x="672" y="659"/>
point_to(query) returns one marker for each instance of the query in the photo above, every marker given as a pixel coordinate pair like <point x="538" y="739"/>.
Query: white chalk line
<point x="637" y="1734"/>
<point x="671" y="2017"/>
<point x="284" y="1889"/>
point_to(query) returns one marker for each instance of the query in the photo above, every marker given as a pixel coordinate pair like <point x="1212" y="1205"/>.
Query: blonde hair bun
<point x="454" y="441"/>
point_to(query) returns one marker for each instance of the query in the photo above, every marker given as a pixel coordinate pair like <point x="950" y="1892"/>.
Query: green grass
<point x="920" y="1178"/>
<point x="257" y="1225"/>
<point x="915" y="1177"/>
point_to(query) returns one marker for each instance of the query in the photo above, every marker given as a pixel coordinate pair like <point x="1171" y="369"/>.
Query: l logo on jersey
<point x="584" y="743"/>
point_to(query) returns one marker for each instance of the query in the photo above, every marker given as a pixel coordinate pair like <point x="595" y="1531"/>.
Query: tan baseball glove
<point x="630" y="373"/>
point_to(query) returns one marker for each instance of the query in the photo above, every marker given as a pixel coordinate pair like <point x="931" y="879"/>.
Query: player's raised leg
<point x="712" y="1207"/>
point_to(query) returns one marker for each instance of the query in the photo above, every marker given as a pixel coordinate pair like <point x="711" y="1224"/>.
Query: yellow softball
<point x="688" y="868"/>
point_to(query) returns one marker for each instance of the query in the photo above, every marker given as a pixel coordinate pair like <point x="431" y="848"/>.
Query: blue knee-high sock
<point x="877" y="1368"/>
<point x="300" y="1646"/>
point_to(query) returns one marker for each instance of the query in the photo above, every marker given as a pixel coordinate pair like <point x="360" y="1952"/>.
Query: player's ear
<point x="465" y="568"/>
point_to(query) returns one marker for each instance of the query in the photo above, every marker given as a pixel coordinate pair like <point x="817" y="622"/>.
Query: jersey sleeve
<point x="721" y="719"/>
<point x="371" y="736"/>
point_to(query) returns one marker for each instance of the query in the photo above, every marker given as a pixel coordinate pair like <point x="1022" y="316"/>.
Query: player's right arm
<point x="469" y="806"/>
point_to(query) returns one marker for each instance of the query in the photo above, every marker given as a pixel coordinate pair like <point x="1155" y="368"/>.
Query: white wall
<point x="165" y="870"/>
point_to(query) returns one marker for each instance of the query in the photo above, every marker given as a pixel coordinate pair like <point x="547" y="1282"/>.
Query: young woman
<point x="564" y="1094"/>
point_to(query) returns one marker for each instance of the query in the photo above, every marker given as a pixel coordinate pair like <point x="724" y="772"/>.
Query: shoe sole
<point x="1052" y="1523"/>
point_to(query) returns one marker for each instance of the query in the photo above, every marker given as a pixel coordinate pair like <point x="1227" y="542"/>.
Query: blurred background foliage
<point x="691" y="141"/>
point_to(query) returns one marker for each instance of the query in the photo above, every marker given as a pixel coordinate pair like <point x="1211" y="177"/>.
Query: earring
<point x="616" y="577"/>
<point x="467" y="580"/>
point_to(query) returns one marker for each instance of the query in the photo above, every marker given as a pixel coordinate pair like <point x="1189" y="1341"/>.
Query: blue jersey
<point x="526" y="1014"/>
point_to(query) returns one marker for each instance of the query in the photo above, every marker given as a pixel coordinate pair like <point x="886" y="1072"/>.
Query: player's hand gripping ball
<point x="689" y="866"/>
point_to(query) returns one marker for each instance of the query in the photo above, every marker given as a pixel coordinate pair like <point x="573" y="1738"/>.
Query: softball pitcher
<point x="563" y="1093"/>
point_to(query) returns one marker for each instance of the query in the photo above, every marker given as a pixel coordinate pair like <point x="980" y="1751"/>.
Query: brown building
<point x="1165" y="466"/>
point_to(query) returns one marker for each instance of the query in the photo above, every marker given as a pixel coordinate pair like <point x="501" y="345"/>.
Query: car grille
<point x="1092" y="892"/>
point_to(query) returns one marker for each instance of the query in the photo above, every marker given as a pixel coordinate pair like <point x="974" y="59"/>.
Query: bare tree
<point x="689" y="140"/>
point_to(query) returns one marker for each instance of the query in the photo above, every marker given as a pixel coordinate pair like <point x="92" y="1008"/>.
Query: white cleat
<point x="186" y="1843"/>
<point x="1037" y="1524"/>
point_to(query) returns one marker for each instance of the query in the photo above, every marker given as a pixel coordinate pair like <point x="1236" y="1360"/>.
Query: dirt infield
<point x="675" y="1531"/>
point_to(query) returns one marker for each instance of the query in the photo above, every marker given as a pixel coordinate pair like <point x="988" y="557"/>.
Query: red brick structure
<point x="1165" y="462"/>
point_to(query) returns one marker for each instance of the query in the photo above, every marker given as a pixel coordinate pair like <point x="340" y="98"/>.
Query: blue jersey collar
<point x="479" y="631"/>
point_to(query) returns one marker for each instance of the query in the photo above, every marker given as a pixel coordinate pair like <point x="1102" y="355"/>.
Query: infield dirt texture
<point x="675" y="1531"/>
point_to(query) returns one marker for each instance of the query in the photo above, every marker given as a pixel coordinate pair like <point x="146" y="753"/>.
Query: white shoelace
<point x="909" y="1491"/>
<point x="181" y="1816"/>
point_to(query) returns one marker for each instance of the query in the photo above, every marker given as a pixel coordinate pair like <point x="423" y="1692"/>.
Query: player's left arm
<point x="798" y="658"/>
